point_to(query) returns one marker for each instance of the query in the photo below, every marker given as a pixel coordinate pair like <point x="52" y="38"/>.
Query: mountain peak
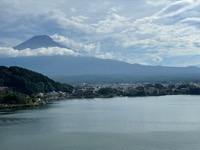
<point x="42" y="36"/>
<point x="38" y="41"/>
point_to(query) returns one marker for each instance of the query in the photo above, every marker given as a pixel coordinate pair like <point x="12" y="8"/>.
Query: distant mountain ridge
<point x="39" y="42"/>
<point x="81" y="69"/>
<point x="76" y="70"/>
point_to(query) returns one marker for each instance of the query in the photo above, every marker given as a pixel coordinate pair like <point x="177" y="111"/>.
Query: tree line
<point x="24" y="84"/>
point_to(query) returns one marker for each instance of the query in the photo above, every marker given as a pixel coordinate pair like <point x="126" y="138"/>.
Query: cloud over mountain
<point x="164" y="32"/>
<point x="78" y="46"/>
<point x="51" y="51"/>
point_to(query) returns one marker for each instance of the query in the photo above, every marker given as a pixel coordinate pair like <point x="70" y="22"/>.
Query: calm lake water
<point x="147" y="123"/>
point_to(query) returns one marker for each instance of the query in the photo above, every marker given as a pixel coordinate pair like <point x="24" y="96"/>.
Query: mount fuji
<point x="82" y="69"/>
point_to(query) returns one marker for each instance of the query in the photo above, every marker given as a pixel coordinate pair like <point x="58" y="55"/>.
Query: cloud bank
<point x="10" y="52"/>
<point x="153" y="32"/>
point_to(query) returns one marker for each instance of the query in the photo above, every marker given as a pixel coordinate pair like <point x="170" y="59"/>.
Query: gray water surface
<point x="146" y="123"/>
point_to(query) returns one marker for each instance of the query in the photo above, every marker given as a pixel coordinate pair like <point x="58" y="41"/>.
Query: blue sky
<point x="150" y="32"/>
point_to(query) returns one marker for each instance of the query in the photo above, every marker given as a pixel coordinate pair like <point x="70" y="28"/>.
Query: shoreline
<point x="18" y="106"/>
<point x="4" y="107"/>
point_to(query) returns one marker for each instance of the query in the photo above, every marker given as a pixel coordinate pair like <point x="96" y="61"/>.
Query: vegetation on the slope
<point x="109" y="92"/>
<point x="19" y="87"/>
<point x="13" y="98"/>
<point x="29" y="82"/>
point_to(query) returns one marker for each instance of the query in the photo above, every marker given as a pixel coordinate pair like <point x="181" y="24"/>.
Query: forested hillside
<point x="29" y="82"/>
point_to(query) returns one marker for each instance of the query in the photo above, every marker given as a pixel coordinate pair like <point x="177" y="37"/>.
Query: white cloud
<point x="10" y="52"/>
<point x="65" y="22"/>
<point x="107" y="30"/>
<point x="177" y="8"/>
<point x="144" y="59"/>
<point x="158" y="2"/>
<point x="80" y="18"/>
<point x="106" y="55"/>
<point x="112" y="23"/>
<point x="173" y="12"/>
<point x="171" y="39"/>
<point x="191" y="21"/>
<point x="91" y="48"/>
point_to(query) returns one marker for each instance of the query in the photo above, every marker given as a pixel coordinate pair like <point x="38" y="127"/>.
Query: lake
<point x="142" y="123"/>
